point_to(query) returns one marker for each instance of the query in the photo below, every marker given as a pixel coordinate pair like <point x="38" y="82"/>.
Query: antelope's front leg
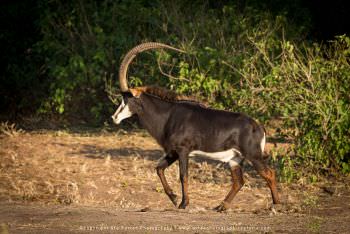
<point x="237" y="184"/>
<point x="183" y="166"/>
<point x="162" y="165"/>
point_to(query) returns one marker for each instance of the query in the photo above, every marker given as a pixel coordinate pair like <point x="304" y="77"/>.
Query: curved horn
<point x="132" y="54"/>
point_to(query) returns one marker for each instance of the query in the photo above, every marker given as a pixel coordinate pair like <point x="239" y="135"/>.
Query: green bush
<point x="82" y="45"/>
<point x="309" y="89"/>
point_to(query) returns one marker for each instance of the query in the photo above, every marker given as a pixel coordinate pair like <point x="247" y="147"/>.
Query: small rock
<point x="146" y="209"/>
<point x="329" y="190"/>
<point x="273" y="212"/>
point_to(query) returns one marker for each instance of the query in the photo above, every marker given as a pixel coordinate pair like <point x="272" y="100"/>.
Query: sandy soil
<point x="53" y="182"/>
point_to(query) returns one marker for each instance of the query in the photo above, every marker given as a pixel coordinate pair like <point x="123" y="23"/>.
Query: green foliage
<point x="82" y="44"/>
<point x="308" y="87"/>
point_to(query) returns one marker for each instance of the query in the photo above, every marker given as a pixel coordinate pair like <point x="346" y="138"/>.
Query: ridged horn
<point x="132" y="54"/>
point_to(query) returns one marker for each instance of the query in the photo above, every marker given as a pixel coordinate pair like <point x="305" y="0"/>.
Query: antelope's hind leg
<point x="237" y="184"/>
<point x="183" y="166"/>
<point x="162" y="165"/>
<point x="269" y="175"/>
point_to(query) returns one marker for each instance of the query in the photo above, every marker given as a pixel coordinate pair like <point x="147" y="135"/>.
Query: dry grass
<point x="113" y="170"/>
<point x="9" y="129"/>
<point x="110" y="178"/>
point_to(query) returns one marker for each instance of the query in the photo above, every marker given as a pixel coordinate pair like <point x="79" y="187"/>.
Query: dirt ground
<point x="66" y="182"/>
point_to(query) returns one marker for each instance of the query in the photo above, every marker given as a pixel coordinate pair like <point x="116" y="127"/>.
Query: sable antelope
<point x="185" y="128"/>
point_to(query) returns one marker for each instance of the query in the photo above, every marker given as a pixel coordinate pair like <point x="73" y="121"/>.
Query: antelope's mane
<point x="166" y="94"/>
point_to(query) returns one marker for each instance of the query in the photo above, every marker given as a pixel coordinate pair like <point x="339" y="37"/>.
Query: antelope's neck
<point x="155" y="115"/>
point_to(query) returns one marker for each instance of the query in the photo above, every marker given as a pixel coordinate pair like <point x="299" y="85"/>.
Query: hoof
<point x="278" y="207"/>
<point x="277" y="201"/>
<point x="220" y="208"/>
<point x="183" y="205"/>
<point x="173" y="198"/>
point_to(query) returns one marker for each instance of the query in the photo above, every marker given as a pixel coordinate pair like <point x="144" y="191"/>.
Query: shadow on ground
<point x="95" y="152"/>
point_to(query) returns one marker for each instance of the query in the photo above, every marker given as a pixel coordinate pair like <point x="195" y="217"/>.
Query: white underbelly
<point x="231" y="156"/>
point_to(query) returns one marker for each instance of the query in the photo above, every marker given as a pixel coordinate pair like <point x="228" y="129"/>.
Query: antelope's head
<point x="129" y="105"/>
<point x="123" y="110"/>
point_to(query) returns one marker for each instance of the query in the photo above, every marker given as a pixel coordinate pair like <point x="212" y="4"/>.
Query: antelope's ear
<point x="136" y="92"/>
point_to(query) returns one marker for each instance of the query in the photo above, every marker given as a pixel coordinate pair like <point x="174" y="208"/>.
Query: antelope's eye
<point x="126" y="96"/>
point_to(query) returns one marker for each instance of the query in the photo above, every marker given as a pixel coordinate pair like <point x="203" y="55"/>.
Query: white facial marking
<point x="231" y="156"/>
<point x="121" y="113"/>
<point x="262" y="143"/>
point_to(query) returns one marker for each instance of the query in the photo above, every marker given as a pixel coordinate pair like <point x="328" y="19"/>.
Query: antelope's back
<point x="212" y="130"/>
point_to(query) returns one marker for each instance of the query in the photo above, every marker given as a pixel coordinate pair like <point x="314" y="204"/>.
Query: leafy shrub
<point x="309" y="89"/>
<point x="82" y="44"/>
